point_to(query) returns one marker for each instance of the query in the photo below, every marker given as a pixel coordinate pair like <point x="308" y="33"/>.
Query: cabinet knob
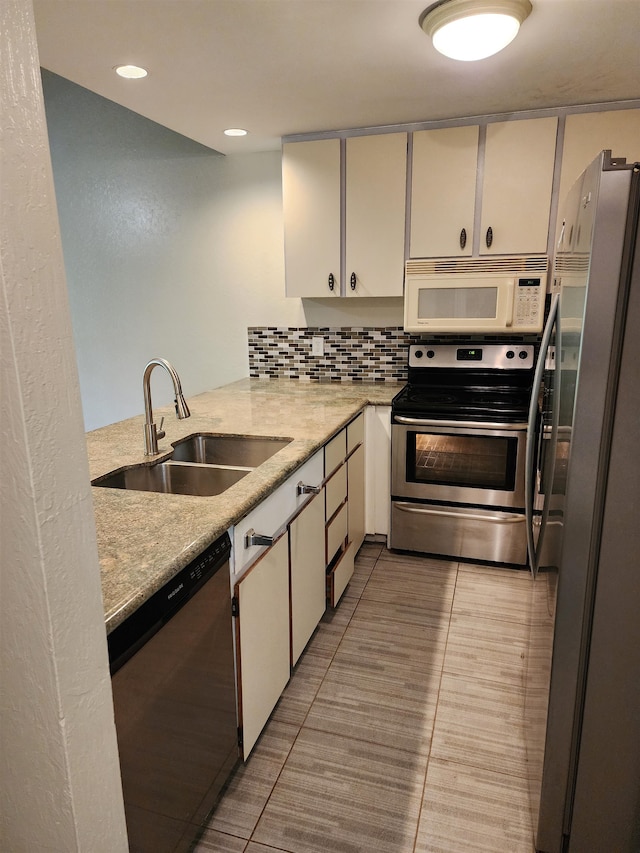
<point x="332" y="281"/>
<point x="253" y="538"/>
<point x="463" y="238"/>
<point x="352" y="281"/>
<point x="489" y="237"/>
<point x="304" y="489"/>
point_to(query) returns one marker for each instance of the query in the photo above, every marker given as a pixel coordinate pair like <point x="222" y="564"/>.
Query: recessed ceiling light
<point x="131" y="72"/>
<point x="235" y="131"/>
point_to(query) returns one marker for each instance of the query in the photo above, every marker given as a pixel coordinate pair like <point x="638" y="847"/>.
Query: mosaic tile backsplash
<point x="350" y="354"/>
<point x="354" y="354"/>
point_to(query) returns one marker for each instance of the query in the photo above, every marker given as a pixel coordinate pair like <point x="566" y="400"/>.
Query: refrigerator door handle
<point x="530" y="462"/>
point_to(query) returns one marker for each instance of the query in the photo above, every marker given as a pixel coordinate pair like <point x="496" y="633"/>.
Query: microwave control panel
<point x="528" y="303"/>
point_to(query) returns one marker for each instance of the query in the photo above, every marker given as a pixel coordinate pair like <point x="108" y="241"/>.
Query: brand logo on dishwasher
<point x="175" y="591"/>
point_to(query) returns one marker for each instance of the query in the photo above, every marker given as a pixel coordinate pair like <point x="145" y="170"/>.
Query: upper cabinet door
<point x="443" y="191"/>
<point x="311" y="202"/>
<point x="587" y="134"/>
<point x="376" y="170"/>
<point x="518" y="180"/>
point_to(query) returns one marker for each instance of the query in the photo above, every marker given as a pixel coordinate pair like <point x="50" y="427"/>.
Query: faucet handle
<point x="160" y="433"/>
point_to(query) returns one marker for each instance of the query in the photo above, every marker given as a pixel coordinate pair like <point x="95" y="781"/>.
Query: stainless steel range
<point x="458" y="439"/>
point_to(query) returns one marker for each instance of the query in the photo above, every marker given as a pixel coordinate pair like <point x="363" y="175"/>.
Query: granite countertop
<point x="144" y="538"/>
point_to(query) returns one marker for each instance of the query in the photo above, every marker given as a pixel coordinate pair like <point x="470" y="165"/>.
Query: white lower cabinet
<point x="355" y="496"/>
<point x="293" y="554"/>
<point x="263" y="663"/>
<point x="307" y="574"/>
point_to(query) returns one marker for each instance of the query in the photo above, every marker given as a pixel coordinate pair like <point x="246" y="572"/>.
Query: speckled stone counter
<point x="144" y="538"/>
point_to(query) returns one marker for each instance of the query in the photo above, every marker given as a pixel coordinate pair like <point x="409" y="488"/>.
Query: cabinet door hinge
<point x="235" y="606"/>
<point x="240" y="744"/>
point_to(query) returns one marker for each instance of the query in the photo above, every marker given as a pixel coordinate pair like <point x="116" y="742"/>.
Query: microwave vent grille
<point x="472" y="266"/>
<point x="572" y="263"/>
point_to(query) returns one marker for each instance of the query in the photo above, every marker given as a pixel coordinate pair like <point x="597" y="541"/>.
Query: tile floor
<point x="401" y="730"/>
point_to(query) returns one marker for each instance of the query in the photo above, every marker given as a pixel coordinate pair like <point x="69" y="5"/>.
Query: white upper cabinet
<point x="373" y="201"/>
<point x="375" y="194"/>
<point x="517" y="185"/>
<point x="587" y="134"/>
<point x="443" y="191"/>
<point x="311" y="200"/>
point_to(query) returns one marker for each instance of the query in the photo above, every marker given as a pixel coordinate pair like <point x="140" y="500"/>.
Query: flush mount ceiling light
<point x="131" y="72"/>
<point x="473" y="29"/>
<point x="235" y="131"/>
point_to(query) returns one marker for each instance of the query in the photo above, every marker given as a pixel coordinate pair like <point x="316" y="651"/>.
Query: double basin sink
<point x="202" y="465"/>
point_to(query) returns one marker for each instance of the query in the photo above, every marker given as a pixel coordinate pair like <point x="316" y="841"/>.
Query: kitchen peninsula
<point x="144" y="538"/>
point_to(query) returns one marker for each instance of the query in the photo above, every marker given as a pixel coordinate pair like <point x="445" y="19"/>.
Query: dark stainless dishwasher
<point x="174" y="700"/>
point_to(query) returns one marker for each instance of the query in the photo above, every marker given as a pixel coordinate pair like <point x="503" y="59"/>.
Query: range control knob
<point x="430" y="353"/>
<point x="510" y="353"/>
<point x="523" y="353"/>
<point x="418" y="353"/>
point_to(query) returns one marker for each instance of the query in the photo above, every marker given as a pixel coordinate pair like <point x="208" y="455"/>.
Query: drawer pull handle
<point x="331" y="281"/>
<point x="353" y="281"/>
<point x="304" y="489"/>
<point x="253" y="538"/>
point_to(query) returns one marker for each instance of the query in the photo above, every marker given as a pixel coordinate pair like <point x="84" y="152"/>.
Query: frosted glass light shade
<point x="473" y="29"/>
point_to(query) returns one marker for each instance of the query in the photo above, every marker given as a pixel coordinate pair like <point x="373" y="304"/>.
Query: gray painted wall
<point x="166" y="243"/>
<point x="172" y="250"/>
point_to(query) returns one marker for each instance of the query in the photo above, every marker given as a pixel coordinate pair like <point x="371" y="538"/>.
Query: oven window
<point x="481" y="462"/>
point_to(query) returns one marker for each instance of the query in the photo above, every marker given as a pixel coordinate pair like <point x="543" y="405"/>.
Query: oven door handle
<point x="403" y="419"/>
<point x="503" y="518"/>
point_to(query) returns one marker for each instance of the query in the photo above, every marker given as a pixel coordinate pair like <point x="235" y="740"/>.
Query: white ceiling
<point x="282" y="67"/>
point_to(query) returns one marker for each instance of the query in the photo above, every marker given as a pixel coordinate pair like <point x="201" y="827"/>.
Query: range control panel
<point x="493" y="356"/>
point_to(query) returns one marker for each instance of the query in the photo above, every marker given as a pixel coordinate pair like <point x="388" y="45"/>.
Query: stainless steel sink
<point x="235" y="450"/>
<point x="174" y="478"/>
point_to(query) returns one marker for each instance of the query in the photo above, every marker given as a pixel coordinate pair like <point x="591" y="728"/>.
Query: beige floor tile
<point x="249" y="788"/>
<point x="343" y="796"/>
<point x="217" y="842"/>
<point x="293" y="706"/>
<point x="395" y="707"/>
<point x="402" y="582"/>
<point x="490" y="649"/>
<point x="492" y="593"/>
<point x="480" y="724"/>
<point x="468" y="810"/>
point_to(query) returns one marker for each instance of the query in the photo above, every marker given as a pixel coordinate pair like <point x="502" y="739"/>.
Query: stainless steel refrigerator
<point x="583" y="722"/>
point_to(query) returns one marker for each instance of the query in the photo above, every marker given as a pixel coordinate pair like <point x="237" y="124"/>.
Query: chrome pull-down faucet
<point x="151" y="432"/>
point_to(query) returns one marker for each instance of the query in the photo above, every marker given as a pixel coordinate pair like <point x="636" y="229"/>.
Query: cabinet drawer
<point x="355" y="433"/>
<point x="270" y="517"/>
<point x="340" y="575"/>
<point x="335" y="491"/>
<point x="334" y="452"/>
<point x="336" y="533"/>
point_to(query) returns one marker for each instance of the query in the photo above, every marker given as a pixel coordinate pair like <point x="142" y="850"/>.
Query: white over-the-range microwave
<point x="492" y="295"/>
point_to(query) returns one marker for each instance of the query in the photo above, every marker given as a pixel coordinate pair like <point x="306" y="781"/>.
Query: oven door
<point x="456" y="462"/>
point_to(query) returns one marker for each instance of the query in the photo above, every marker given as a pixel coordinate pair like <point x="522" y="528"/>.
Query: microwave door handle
<point x="510" y="289"/>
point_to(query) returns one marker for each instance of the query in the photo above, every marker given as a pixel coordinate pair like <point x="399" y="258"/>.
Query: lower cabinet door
<point x="355" y="475"/>
<point x="262" y="638"/>
<point x="308" y="599"/>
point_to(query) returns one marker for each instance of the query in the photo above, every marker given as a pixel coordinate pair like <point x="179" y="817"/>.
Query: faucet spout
<point x="151" y="432"/>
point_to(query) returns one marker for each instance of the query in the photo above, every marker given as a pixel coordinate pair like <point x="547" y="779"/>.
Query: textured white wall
<point x="170" y="250"/>
<point x="60" y="782"/>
